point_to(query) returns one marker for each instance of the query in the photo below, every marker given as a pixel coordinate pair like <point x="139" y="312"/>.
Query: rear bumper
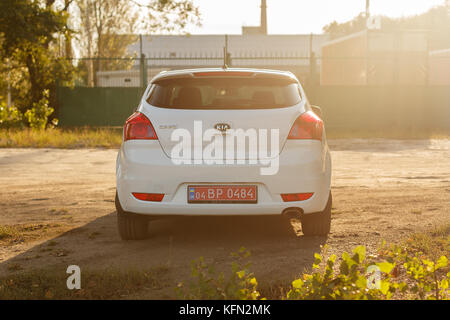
<point x="142" y="166"/>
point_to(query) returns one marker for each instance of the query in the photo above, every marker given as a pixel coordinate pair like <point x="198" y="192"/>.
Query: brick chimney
<point x="263" y="17"/>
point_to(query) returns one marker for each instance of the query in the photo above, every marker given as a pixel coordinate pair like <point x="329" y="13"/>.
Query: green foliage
<point x="349" y="282"/>
<point x="425" y="278"/>
<point x="422" y="278"/>
<point x="402" y="274"/>
<point x="209" y="284"/>
<point x="28" y="50"/>
<point x="24" y="22"/>
<point x="38" y="115"/>
<point x="10" y="117"/>
<point x="427" y="282"/>
<point x="33" y="34"/>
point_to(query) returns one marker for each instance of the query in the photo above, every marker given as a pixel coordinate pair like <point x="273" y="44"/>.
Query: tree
<point x="435" y="21"/>
<point x="107" y="27"/>
<point x="24" y="22"/>
<point x="103" y="27"/>
<point x="28" y="30"/>
<point x="33" y="33"/>
<point x="336" y="29"/>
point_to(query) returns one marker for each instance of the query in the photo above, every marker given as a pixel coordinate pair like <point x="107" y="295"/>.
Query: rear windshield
<point x="224" y="93"/>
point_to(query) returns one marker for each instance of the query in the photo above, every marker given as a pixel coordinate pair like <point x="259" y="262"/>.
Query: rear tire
<point x="131" y="226"/>
<point x="318" y="224"/>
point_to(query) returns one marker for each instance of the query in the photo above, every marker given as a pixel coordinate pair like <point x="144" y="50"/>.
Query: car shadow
<point x="279" y="251"/>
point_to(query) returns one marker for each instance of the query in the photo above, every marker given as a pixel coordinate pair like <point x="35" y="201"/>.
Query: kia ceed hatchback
<point x="223" y="142"/>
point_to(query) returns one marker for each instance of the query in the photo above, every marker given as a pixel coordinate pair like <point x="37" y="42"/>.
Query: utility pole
<point x="143" y="64"/>
<point x="90" y="65"/>
<point x="367" y="40"/>
<point x="68" y="38"/>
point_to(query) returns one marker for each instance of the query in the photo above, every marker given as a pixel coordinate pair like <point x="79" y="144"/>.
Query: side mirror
<point x="317" y="110"/>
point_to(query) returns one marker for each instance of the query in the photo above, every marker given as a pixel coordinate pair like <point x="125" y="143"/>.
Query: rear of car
<point x="223" y="142"/>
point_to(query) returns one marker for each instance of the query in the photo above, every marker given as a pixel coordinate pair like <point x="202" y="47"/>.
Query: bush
<point x="423" y="277"/>
<point x="10" y="117"/>
<point x="37" y="116"/>
<point x="352" y="280"/>
<point x="209" y="284"/>
<point x="402" y="274"/>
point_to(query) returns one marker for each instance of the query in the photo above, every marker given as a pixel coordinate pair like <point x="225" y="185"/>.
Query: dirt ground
<point x="63" y="199"/>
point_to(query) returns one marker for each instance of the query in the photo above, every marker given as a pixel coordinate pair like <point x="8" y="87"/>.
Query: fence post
<point x="312" y="61"/>
<point x="229" y="61"/>
<point x="427" y="60"/>
<point x="312" y="68"/>
<point x="143" y="71"/>
<point x="396" y="67"/>
<point x="9" y="103"/>
<point x="226" y="54"/>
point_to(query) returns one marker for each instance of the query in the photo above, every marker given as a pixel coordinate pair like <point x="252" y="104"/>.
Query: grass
<point x="112" y="137"/>
<point x="393" y="133"/>
<point x="433" y="244"/>
<point x="61" y="138"/>
<point x="104" y="284"/>
<point x="24" y="232"/>
<point x="8" y="232"/>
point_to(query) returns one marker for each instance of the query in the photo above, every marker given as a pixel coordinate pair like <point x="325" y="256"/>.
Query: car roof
<point x="224" y="72"/>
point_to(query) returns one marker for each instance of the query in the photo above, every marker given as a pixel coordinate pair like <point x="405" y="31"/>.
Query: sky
<point x="296" y="16"/>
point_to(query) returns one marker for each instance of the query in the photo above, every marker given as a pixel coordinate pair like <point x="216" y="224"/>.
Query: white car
<point x="223" y="142"/>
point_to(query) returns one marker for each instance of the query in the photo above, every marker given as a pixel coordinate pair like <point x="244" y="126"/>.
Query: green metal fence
<point x="350" y="107"/>
<point x="82" y="106"/>
<point x="109" y="95"/>
<point x="383" y="107"/>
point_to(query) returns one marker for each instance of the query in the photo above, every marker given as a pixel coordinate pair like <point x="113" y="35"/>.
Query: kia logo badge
<point x="222" y="127"/>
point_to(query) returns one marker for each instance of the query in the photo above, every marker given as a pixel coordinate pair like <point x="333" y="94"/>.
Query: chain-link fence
<point x="136" y="72"/>
<point x="407" y="69"/>
<point x="364" y="58"/>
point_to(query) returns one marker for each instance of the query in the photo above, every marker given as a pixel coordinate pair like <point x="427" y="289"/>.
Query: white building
<point x="168" y="52"/>
<point x="170" y="46"/>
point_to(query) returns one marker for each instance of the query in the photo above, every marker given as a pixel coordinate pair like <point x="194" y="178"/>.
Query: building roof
<point x="172" y="46"/>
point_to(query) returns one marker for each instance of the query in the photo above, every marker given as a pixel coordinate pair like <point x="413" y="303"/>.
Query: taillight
<point x="289" y="197"/>
<point x="307" y="126"/>
<point x="155" y="197"/>
<point x="139" y="127"/>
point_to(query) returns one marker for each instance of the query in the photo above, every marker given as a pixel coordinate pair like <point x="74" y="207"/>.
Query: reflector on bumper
<point x="155" y="197"/>
<point x="289" y="197"/>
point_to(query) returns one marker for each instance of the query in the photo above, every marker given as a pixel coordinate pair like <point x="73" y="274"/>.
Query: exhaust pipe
<point x="293" y="213"/>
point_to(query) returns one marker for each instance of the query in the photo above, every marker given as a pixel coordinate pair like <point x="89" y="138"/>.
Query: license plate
<point x="222" y="194"/>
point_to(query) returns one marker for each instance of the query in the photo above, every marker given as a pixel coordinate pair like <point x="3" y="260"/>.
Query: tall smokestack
<point x="263" y="16"/>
